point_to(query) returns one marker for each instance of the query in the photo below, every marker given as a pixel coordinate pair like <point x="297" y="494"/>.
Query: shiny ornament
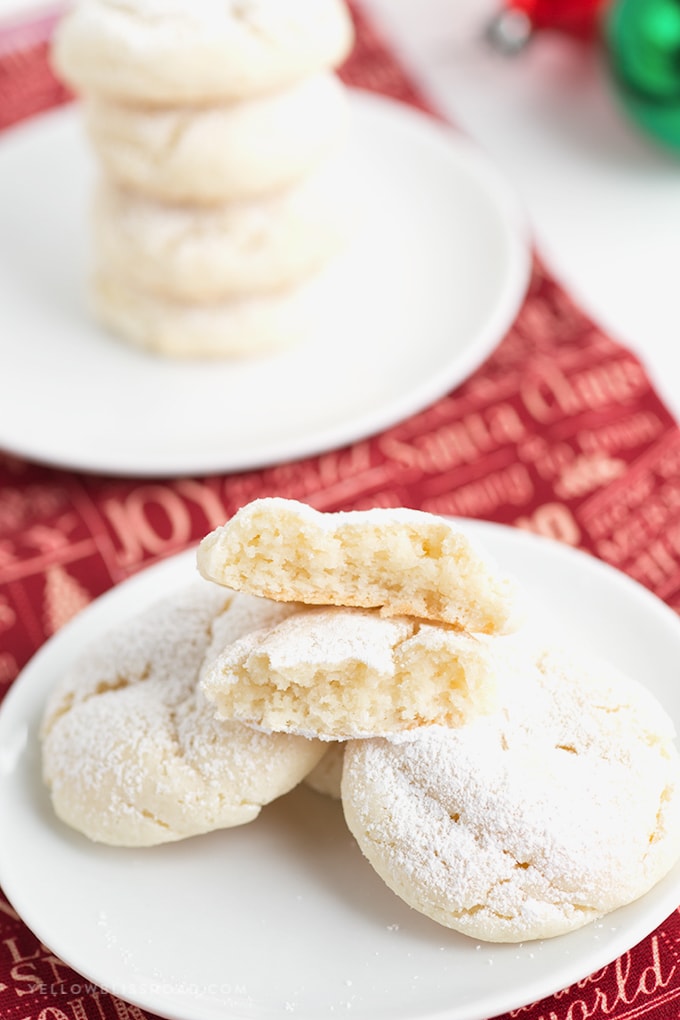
<point x="518" y="20"/>
<point x="642" y="45"/>
<point x="640" y="41"/>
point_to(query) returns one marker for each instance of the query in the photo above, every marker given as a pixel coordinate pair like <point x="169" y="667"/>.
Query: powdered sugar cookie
<point x="339" y="673"/>
<point x="239" y="616"/>
<point x="242" y="248"/>
<point x="214" y="154"/>
<point x="131" y="751"/>
<point x="229" y="328"/>
<point x="176" y="51"/>
<point x="531" y="821"/>
<point x="326" y="777"/>
<point x="405" y="562"/>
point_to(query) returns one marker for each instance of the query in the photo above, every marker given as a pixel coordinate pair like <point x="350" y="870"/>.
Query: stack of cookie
<point x="219" y="129"/>
<point x="504" y="787"/>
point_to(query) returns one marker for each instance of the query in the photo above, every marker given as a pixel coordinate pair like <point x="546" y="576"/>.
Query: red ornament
<point x="579" y="18"/>
<point x="518" y="20"/>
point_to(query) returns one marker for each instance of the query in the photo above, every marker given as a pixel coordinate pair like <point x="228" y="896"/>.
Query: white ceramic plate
<point x="430" y="284"/>
<point x="284" y="916"/>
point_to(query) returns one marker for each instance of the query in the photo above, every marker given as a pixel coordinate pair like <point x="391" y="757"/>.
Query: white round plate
<point x="430" y="284"/>
<point x="284" y="915"/>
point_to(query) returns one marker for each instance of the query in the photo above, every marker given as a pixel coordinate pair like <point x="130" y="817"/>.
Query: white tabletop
<point x="603" y="201"/>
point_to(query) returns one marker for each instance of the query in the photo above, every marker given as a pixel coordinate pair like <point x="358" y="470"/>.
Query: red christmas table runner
<point x="558" y="432"/>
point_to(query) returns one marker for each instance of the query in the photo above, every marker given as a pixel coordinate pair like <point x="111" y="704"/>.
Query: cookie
<point x="131" y="751"/>
<point x="404" y="562"/>
<point x="337" y="674"/>
<point x="166" y="52"/>
<point x="237" y="249"/>
<point x="530" y="821"/>
<point x="231" y="328"/>
<point x="215" y="154"/>
<point x="326" y="777"/>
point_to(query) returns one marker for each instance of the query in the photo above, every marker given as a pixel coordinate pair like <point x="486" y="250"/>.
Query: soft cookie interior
<point x="404" y="562"/>
<point x="341" y="673"/>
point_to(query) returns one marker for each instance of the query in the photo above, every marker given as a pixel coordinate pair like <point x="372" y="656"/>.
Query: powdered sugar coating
<point x="235" y="327"/>
<point x="208" y="155"/>
<point x="150" y="51"/>
<point x="132" y="752"/>
<point x="239" y="247"/>
<point x="239" y="616"/>
<point x="339" y="673"/>
<point x="529" y="822"/>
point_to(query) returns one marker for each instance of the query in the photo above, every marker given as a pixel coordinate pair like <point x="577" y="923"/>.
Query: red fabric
<point x="558" y="432"/>
<point x="27" y="84"/>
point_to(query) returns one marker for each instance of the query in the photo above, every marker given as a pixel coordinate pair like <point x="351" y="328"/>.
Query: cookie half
<point x="404" y="562"/>
<point x="338" y="674"/>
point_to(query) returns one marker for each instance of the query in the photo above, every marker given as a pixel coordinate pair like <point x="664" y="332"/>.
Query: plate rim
<point x="176" y="566"/>
<point x="315" y="439"/>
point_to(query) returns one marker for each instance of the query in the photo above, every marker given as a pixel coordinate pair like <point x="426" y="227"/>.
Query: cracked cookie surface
<point x="247" y="327"/>
<point x="131" y="751"/>
<point x="203" y="155"/>
<point x="174" y="51"/>
<point x="551" y="812"/>
<point x="195" y="254"/>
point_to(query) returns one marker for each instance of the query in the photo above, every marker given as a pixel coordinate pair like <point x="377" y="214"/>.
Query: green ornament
<point x="642" y="42"/>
